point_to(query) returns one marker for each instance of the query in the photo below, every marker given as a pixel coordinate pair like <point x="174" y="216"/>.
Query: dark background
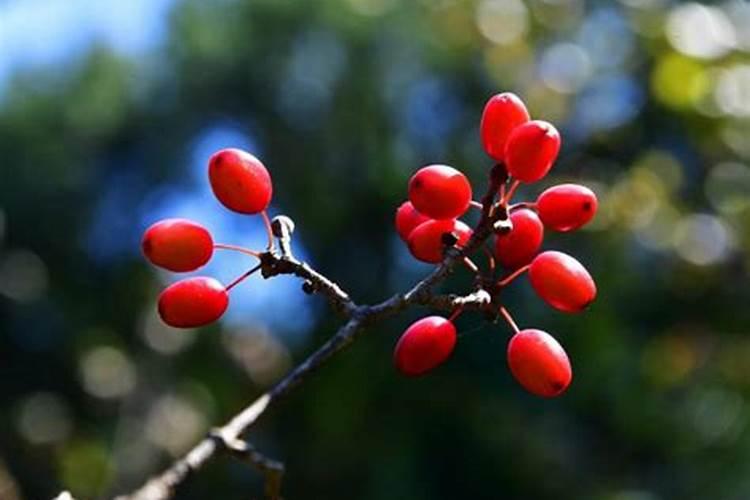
<point x="108" y="113"/>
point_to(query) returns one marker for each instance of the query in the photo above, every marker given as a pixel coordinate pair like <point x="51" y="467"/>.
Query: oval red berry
<point x="566" y="207"/>
<point x="177" y="245"/>
<point x="426" y="242"/>
<point x="562" y="281"/>
<point x="519" y="246"/>
<point x="440" y="192"/>
<point x="240" y="181"/>
<point x="193" y="302"/>
<point x="531" y="150"/>
<point x="407" y="218"/>
<point x="502" y="113"/>
<point x="426" y="344"/>
<point x="539" y="363"/>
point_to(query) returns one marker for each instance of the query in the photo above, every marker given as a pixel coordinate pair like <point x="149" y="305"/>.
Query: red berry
<point x="518" y="247"/>
<point x="407" y="218"/>
<point x="424" y="345"/>
<point x="539" y="363"/>
<point x="240" y="181"/>
<point x="562" y="281"/>
<point x="440" y="192"/>
<point x="502" y="113"/>
<point x="177" y="244"/>
<point x="566" y="207"/>
<point x="426" y="240"/>
<point x="193" y="302"/>
<point x="531" y="150"/>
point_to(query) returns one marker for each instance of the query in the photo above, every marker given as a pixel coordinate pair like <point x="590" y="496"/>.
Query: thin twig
<point x="511" y="191"/>
<point x="490" y="260"/>
<point x="269" y="232"/>
<point x="480" y="300"/>
<point x="515" y="274"/>
<point x="282" y="227"/>
<point x="243" y="276"/>
<point x="162" y="486"/>
<point x="273" y="265"/>
<point x="470" y="265"/>
<point x="272" y="470"/>
<point x="506" y="314"/>
<point x="237" y="248"/>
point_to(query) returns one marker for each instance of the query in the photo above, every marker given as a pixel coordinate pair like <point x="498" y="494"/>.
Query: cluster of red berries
<point x="429" y="222"/>
<point x="242" y="184"/>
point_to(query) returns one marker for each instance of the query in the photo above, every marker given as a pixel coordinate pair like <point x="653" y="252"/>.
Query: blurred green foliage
<point x="344" y="99"/>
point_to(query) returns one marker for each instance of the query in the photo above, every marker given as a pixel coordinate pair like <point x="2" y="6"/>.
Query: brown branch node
<point x="272" y="470"/>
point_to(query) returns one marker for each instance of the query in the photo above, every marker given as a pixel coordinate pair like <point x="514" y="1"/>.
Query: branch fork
<point x="280" y="260"/>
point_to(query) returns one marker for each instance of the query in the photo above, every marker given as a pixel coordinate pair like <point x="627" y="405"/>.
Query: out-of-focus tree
<point x="343" y="100"/>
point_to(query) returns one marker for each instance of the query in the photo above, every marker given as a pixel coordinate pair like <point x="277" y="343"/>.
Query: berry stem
<point x="269" y="231"/>
<point x="515" y="274"/>
<point x="511" y="191"/>
<point x="237" y="248"/>
<point x="455" y="314"/>
<point x="523" y="204"/>
<point x="506" y="315"/>
<point x="470" y="265"/>
<point x="490" y="259"/>
<point x="243" y="276"/>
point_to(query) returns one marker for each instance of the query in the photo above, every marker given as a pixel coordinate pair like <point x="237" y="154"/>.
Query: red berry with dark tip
<point x="562" y="281"/>
<point x="440" y="192"/>
<point x="426" y="242"/>
<point x="566" y="207"/>
<point x="193" y="302"/>
<point x="539" y="363"/>
<point x="177" y="244"/>
<point x="531" y="150"/>
<point x="424" y="345"/>
<point x="240" y="181"/>
<point x="502" y="113"/>
<point x="407" y="218"/>
<point x="519" y="246"/>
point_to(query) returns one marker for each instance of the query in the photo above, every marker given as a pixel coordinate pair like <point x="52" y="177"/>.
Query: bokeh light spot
<point x="679" y="82"/>
<point x="565" y="67"/>
<point x="23" y="276"/>
<point x="259" y="354"/>
<point x="728" y="187"/>
<point x="43" y="418"/>
<point x="174" y="423"/>
<point x="160" y="337"/>
<point x="702" y="239"/>
<point x="668" y="360"/>
<point x="732" y="91"/>
<point x="502" y="21"/>
<point x="700" y="31"/>
<point x="107" y="373"/>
